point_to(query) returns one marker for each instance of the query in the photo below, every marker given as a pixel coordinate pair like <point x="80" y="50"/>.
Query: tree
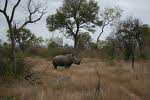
<point x="33" y="10"/>
<point x="109" y="15"/>
<point x="57" y="40"/>
<point x="22" y="38"/>
<point x="146" y="34"/>
<point x="36" y="41"/>
<point x="130" y="36"/>
<point x="73" y="16"/>
<point x="26" y="39"/>
<point x="84" y="40"/>
<point x="145" y="47"/>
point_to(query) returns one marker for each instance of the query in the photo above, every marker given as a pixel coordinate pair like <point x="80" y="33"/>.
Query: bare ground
<point x="94" y="79"/>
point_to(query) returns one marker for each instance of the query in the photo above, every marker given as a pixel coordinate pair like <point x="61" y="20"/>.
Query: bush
<point x="47" y="52"/>
<point x="93" y="46"/>
<point x="42" y="52"/>
<point x="53" y="44"/>
<point x="145" y="55"/>
<point x="57" y="51"/>
<point x="7" y="72"/>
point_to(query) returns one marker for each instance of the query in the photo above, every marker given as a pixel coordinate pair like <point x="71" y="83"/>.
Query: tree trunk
<point x="100" y="34"/>
<point x="75" y="42"/>
<point x="13" y="52"/>
<point x="133" y="60"/>
<point x="98" y="38"/>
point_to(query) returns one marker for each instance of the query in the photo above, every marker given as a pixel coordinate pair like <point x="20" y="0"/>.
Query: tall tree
<point x="146" y="32"/>
<point x="144" y="46"/>
<point x="130" y="36"/>
<point x="73" y="16"/>
<point x="35" y="13"/>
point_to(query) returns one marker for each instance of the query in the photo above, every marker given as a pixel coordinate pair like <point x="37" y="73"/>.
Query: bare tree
<point x="32" y="8"/>
<point x="109" y="15"/>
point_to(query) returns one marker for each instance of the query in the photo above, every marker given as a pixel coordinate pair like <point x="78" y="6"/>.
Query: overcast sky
<point x="136" y="8"/>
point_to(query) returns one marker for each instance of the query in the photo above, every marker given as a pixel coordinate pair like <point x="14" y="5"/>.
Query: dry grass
<point x="94" y="79"/>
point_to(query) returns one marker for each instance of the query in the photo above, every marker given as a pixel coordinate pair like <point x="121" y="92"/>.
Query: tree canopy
<point x="73" y="16"/>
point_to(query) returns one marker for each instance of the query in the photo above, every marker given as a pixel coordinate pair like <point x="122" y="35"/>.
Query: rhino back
<point x="62" y="60"/>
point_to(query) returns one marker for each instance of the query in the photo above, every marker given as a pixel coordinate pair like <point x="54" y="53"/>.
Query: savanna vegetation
<point x="116" y="68"/>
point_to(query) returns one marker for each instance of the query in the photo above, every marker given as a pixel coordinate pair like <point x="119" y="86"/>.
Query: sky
<point x="137" y="8"/>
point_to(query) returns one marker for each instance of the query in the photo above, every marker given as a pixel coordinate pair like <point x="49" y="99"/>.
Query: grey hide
<point x="65" y="60"/>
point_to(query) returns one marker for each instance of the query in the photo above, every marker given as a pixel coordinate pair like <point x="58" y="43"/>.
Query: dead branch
<point x="34" y="9"/>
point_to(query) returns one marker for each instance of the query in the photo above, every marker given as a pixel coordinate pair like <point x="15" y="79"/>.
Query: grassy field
<point x="94" y="79"/>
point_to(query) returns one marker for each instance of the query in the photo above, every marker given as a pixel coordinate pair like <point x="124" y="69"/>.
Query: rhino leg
<point x="55" y="67"/>
<point x="67" y="66"/>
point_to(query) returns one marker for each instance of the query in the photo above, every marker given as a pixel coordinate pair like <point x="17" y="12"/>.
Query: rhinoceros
<point x="65" y="60"/>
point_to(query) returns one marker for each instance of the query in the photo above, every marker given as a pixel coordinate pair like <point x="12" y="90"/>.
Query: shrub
<point x="57" y="51"/>
<point x="7" y="72"/>
<point x="93" y="45"/>
<point x="42" y="52"/>
<point x="53" y="44"/>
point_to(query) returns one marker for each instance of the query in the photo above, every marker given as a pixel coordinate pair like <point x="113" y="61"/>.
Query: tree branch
<point x="37" y="10"/>
<point x="4" y="11"/>
<point x="31" y="20"/>
<point x="5" y="7"/>
<point x="14" y="9"/>
<point x="70" y="29"/>
<point x="1" y="11"/>
<point x="103" y="27"/>
<point x="6" y="16"/>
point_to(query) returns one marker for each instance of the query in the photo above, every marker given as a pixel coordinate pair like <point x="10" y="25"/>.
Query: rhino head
<point x="76" y="60"/>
